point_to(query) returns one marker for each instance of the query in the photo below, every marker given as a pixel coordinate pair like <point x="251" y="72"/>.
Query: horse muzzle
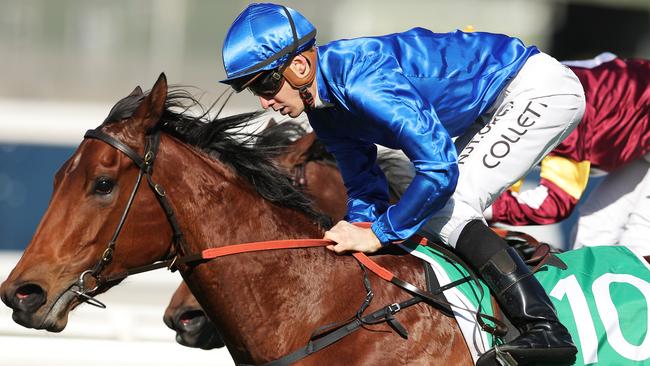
<point x="26" y="298"/>
<point x="29" y="303"/>
<point x="194" y="329"/>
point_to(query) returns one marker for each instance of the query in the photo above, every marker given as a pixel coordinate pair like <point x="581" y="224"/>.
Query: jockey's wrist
<point x="376" y="229"/>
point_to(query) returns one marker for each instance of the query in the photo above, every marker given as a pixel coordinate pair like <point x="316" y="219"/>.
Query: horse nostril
<point x="28" y="298"/>
<point x="190" y="321"/>
<point x="169" y="322"/>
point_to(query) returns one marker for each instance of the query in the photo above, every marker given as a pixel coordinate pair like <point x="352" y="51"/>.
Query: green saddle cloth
<point x="602" y="299"/>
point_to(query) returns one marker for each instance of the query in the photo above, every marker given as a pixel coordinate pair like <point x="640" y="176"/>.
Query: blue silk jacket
<point x="411" y="91"/>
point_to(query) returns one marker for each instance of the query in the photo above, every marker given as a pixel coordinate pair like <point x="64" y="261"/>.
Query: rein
<point x="324" y="336"/>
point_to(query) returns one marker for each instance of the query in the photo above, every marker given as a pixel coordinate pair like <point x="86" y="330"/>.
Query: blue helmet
<point x="264" y="37"/>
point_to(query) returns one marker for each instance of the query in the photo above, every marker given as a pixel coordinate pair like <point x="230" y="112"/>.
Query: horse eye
<point x="103" y="185"/>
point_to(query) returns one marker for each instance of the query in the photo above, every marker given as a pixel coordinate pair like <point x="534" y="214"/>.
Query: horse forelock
<point x="229" y="140"/>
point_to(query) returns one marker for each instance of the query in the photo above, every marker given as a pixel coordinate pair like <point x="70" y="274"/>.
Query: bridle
<point x="145" y="163"/>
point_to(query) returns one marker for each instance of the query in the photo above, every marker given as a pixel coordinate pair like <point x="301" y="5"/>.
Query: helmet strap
<point x="307" y="97"/>
<point x="302" y="84"/>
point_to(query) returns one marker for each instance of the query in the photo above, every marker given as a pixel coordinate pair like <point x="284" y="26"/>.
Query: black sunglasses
<point x="267" y="83"/>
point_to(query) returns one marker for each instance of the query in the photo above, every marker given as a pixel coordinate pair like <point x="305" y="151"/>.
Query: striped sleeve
<point x="562" y="183"/>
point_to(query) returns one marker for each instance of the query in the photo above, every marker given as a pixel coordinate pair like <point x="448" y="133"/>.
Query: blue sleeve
<point x="365" y="182"/>
<point x="378" y="92"/>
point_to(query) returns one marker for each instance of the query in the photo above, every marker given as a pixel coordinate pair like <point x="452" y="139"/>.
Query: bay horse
<point x="313" y="170"/>
<point x="217" y="191"/>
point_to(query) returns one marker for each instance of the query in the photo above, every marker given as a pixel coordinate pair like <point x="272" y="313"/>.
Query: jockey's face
<point x="286" y="101"/>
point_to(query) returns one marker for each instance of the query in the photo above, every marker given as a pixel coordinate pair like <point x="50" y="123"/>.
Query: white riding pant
<point x="397" y="168"/>
<point x="617" y="212"/>
<point x="536" y="110"/>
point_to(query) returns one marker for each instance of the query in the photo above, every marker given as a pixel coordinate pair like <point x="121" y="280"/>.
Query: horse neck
<point x="215" y="207"/>
<point x="241" y="292"/>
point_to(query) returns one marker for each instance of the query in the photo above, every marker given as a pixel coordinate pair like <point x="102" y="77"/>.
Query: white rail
<point x="129" y="332"/>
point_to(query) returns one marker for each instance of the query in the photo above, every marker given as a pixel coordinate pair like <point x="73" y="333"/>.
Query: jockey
<point x="414" y="91"/>
<point x="613" y="137"/>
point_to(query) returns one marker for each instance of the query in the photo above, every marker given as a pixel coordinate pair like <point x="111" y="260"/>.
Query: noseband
<point x="145" y="163"/>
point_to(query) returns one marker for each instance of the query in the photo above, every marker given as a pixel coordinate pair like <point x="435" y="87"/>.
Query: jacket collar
<point x="323" y="99"/>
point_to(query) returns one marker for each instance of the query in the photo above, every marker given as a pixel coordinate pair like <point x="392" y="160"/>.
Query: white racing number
<point x="608" y="314"/>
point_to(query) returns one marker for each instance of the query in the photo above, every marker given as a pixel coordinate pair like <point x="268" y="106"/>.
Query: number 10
<point x="570" y="288"/>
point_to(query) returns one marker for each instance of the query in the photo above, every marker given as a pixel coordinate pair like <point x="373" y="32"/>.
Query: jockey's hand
<point x="352" y="238"/>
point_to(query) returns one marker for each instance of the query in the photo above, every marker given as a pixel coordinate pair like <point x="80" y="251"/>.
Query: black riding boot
<point x="522" y="298"/>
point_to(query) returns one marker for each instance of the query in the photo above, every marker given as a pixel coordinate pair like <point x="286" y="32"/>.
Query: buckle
<point x="148" y="157"/>
<point x="394" y="308"/>
<point x="159" y="190"/>
<point x="172" y="265"/>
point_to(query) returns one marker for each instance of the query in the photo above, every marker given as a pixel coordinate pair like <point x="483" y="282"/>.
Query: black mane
<point x="227" y="140"/>
<point x="282" y="134"/>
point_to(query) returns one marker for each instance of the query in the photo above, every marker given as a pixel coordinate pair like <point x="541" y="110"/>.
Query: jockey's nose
<point x="266" y="103"/>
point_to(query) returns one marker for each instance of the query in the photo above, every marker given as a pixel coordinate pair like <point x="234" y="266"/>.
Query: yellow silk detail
<point x="570" y="175"/>
<point x="517" y="186"/>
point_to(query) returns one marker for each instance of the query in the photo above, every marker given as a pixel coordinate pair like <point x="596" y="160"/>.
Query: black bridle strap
<point x="384" y="314"/>
<point x="100" y="135"/>
<point x="116" y="277"/>
<point x="145" y="165"/>
<point x="169" y="211"/>
<point x="107" y="255"/>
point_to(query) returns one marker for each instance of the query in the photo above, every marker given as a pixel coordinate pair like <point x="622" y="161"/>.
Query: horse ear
<point x="148" y="113"/>
<point x="297" y="153"/>
<point x="136" y="92"/>
<point x="272" y="123"/>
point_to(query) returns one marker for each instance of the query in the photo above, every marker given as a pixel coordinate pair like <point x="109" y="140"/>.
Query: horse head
<point x="311" y="168"/>
<point x="90" y="191"/>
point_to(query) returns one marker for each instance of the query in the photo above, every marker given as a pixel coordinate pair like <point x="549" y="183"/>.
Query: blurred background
<point x="64" y="63"/>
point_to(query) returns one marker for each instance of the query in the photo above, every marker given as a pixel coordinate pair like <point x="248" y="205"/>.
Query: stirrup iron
<point x="504" y="358"/>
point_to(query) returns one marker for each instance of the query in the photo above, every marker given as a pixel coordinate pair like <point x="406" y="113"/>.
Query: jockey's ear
<point x="148" y="113"/>
<point x="300" y="68"/>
